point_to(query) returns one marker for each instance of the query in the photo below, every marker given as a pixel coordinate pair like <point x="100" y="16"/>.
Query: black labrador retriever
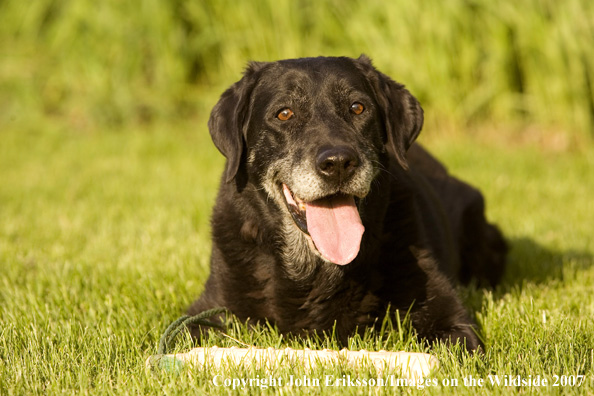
<point x="328" y="216"/>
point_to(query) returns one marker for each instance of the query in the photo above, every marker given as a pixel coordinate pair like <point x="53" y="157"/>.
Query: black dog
<point x="328" y="215"/>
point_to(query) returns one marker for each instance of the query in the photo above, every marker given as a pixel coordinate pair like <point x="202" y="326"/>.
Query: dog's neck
<point x="298" y="259"/>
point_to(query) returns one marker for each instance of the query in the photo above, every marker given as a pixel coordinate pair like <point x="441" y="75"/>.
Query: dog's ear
<point x="229" y="119"/>
<point x="402" y="113"/>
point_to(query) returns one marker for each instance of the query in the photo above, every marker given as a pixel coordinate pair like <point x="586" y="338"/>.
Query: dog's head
<point x="314" y="133"/>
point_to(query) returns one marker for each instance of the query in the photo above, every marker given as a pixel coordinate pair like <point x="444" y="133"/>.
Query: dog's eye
<point x="285" y="114"/>
<point x="357" y="108"/>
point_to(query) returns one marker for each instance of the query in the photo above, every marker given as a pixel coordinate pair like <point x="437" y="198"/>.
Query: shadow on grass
<point x="531" y="262"/>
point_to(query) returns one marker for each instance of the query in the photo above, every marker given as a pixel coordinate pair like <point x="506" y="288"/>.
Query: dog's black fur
<point x="424" y="229"/>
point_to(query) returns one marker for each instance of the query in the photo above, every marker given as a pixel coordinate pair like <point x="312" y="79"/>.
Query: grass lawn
<point x="104" y="240"/>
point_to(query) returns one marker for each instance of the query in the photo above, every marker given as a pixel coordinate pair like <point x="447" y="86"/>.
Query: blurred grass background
<point x="87" y="64"/>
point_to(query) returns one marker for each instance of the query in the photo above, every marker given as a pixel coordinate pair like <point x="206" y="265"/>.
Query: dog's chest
<point x="346" y="304"/>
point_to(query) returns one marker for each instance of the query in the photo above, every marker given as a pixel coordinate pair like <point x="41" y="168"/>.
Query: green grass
<point x="104" y="240"/>
<point x="468" y="61"/>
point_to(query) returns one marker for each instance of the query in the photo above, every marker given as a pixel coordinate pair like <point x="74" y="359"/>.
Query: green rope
<point x="183" y="322"/>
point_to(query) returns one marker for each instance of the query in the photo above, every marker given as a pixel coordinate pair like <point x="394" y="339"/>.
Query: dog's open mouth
<point x="332" y="222"/>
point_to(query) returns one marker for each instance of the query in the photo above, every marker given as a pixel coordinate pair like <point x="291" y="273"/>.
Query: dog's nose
<point x="337" y="164"/>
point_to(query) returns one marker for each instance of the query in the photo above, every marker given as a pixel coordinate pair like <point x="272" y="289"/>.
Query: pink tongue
<point x="335" y="227"/>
